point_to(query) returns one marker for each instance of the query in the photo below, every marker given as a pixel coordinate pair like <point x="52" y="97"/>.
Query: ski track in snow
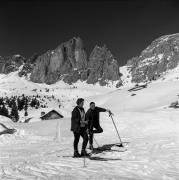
<point x="147" y="157"/>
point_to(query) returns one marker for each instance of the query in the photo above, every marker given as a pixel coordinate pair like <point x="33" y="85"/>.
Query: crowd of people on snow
<point x="85" y="125"/>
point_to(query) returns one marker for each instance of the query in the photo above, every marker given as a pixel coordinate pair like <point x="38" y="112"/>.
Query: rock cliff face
<point x="28" y="66"/>
<point x="160" y="56"/>
<point x="11" y="63"/>
<point x="102" y="66"/>
<point x="68" y="62"/>
<point x="62" y="63"/>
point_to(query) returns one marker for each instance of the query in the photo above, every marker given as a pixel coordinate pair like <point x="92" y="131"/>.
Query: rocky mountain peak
<point x="69" y="62"/>
<point x="103" y="66"/>
<point x="60" y="63"/>
<point x="161" y="55"/>
<point x="11" y="63"/>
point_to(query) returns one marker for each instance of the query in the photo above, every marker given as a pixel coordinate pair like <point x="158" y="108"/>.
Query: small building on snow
<point x="51" y="115"/>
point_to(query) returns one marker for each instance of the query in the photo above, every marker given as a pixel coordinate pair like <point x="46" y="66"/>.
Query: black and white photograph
<point x="89" y="90"/>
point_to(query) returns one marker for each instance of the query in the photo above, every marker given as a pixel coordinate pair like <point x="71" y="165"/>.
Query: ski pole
<point x="96" y="141"/>
<point x="110" y="115"/>
<point x="84" y="161"/>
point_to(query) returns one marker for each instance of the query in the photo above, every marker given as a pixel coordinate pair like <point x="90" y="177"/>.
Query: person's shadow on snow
<point x="106" y="148"/>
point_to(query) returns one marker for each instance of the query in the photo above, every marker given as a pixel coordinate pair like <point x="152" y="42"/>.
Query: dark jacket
<point x="75" y="119"/>
<point x="93" y="117"/>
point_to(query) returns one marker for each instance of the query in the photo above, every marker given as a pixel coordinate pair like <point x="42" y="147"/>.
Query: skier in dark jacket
<point x="92" y="117"/>
<point x="79" y="127"/>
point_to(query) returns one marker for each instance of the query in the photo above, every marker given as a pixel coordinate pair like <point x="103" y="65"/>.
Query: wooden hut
<point x="51" y="115"/>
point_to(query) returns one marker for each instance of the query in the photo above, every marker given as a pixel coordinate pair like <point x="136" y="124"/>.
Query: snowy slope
<point x="12" y="85"/>
<point x="148" y="128"/>
<point x="126" y="75"/>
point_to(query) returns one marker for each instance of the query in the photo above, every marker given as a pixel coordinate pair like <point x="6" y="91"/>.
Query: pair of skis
<point x="97" y="151"/>
<point x="95" y="157"/>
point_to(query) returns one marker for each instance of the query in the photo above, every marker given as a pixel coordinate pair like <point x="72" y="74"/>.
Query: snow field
<point x="148" y="129"/>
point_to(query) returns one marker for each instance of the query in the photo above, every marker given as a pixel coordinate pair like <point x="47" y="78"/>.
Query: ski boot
<point x="76" y="154"/>
<point x="84" y="153"/>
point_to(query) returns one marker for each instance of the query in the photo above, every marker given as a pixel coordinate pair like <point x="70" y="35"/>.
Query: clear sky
<point x="126" y="27"/>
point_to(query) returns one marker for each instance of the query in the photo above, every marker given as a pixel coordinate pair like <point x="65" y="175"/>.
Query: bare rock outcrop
<point x="11" y="63"/>
<point x="61" y="63"/>
<point x="161" y="56"/>
<point x="28" y="66"/>
<point x="103" y="67"/>
<point x="68" y="62"/>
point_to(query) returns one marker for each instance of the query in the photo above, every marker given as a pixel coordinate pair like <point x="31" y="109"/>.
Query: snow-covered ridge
<point x="126" y="76"/>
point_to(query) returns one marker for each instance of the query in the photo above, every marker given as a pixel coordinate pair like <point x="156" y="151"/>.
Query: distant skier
<point x="79" y="127"/>
<point x="92" y="117"/>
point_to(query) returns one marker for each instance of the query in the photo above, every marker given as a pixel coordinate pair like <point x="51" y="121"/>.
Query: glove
<point x="109" y="111"/>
